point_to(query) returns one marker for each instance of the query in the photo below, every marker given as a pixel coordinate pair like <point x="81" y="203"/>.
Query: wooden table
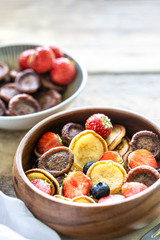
<point x="118" y="41"/>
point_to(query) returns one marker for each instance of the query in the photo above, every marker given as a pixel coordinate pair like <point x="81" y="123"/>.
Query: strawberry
<point x="24" y="58"/>
<point x="57" y="51"/>
<point x="76" y="184"/>
<point x="111" y="199"/>
<point x="141" y="157"/>
<point x="47" y="141"/>
<point x="112" y="155"/>
<point x="42" y="185"/>
<point x="99" y="123"/>
<point x="63" y="71"/>
<point x="42" y="60"/>
<point x="131" y="188"/>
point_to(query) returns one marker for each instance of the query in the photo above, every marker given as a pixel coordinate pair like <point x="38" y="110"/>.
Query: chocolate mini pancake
<point x="146" y="140"/>
<point x="48" y="83"/>
<point x="4" y="70"/>
<point x="27" y="81"/>
<point x="48" y="98"/>
<point x="22" y="104"/>
<point x="143" y="174"/>
<point x="2" y="108"/>
<point x="8" y="91"/>
<point x="118" y="132"/>
<point x="69" y="131"/>
<point x="57" y="161"/>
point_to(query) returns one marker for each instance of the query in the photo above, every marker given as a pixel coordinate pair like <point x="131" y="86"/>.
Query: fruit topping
<point x="24" y="58"/>
<point x="76" y="184"/>
<point x="115" y="198"/>
<point x="131" y="188"/>
<point x="141" y="157"/>
<point x="146" y="140"/>
<point x="44" y="181"/>
<point x="48" y="98"/>
<point x="4" y="70"/>
<point x="108" y="172"/>
<point x="2" y="108"/>
<point x="100" y="190"/>
<point x="47" y="141"/>
<point x="27" y="81"/>
<point x="87" y="146"/>
<point x="116" y="136"/>
<point x="69" y="131"/>
<point x="63" y="71"/>
<point x="143" y="174"/>
<point x="87" y="166"/>
<point x="8" y="91"/>
<point x="57" y="161"/>
<point x="99" y="123"/>
<point x="83" y="199"/>
<point x="112" y="155"/>
<point x="22" y="104"/>
<point x="57" y="51"/>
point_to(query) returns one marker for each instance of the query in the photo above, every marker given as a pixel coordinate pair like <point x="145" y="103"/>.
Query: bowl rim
<point x="18" y="159"/>
<point x="83" y="71"/>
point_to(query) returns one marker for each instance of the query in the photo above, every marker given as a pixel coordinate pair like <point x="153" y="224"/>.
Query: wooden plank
<point x="107" y="36"/>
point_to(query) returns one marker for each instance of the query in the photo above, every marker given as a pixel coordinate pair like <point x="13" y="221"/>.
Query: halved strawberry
<point x="47" y="141"/>
<point x="114" y="198"/>
<point x="112" y="155"/>
<point x="131" y="188"/>
<point x="42" y="185"/>
<point x="141" y="157"/>
<point x="99" y="123"/>
<point x="76" y="184"/>
<point x="57" y="51"/>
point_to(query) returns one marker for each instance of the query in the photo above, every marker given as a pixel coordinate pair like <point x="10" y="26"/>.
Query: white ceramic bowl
<point x="9" y="55"/>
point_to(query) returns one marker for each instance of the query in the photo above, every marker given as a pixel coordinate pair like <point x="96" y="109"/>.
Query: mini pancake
<point x="143" y="174"/>
<point x="123" y="147"/>
<point x="57" y="161"/>
<point x="4" y="70"/>
<point x="2" y="108"/>
<point x="108" y="172"/>
<point x="69" y="131"/>
<point x="8" y="91"/>
<point x="83" y="199"/>
<point x="48" y="83"/>
<point x="87" y="146"/>
<point x="118" y="132"/>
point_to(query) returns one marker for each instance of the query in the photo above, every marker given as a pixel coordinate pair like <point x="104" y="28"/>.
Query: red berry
<point x="63" y="71"/>
<point x="131" y="188"/>
<point x="24" y="58"/>
<point x="111" y="199"/>
<point x="57" y="51"/>
<point x="99" y="123"/>
<point x="42" y="185"/>
<point x="47" y="141"/>
<point x="112" y="155"/>
<point x="42" y="60"/>
<point x="141" y="157"/>
<point x="76" y="184"/>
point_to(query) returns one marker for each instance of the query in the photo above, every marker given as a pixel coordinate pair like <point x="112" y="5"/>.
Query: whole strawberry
<point x="63" y="71"/>
<point x="57" y="51"/>
<point x="99" y="123"/>
<point x="24" y="58"/>
<point x="42" y="60"/>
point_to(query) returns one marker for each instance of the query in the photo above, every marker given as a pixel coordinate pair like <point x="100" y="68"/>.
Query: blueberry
<point x="86" y="166"/>
<point x="158" y="169"/>
<point x="100" y="190"/>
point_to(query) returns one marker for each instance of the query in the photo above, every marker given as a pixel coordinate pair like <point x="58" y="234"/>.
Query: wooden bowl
<point x="87" y="221"/>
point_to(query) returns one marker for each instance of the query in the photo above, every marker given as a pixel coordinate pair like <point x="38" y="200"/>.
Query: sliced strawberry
<point x="57" y="51"/>
<point x="42" y="60"/>
<point x="47" y="141"/>
<point x="63" y="71"/>
<point x="131" y="188"/>
<point x="42" y="185"/>
<point x="76" y="184"/>
<point x="99" y="123"/>
<point x="24" y="58"/>
<point x="111" y="199"/>
<point x="141" y="157"/>
<point x="112" y="155"/>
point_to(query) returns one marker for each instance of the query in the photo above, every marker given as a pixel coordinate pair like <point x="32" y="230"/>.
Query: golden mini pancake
<point x="108" y="172"/>
<point x="83" y="199"/>
<point x="118" y="132"/>
<point x="124" y="146"/>
<point x="87" y="146"/>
